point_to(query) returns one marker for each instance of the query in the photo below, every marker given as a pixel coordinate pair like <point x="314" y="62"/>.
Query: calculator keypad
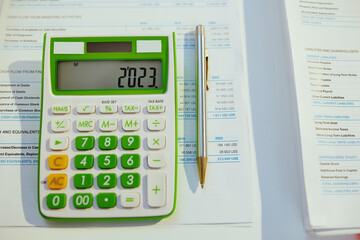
<point x="155" y="108"/>
<point x="56" y="200"/>
<point x="85" y="109"/>
<point x="156" y="160"/>
<point x="130" y="200"/>
<point x="131" y="108"/>
<point x="156" y="123"/>
<point x="107" y="162"/>
<point x="58" y="162"/>
<point x="130" y="180"/>
<point x="107" y="142"/>
<point x="60" y="109"/>
<point x="130" y="124"/>
<point x="58" y="143"/>
<point x="84" y="143"/>
<point x="60" y="125"/>
<point x="85" y="125"/>
<point x="84" y="161"/>
<point x="108" y="124"/>
<point x="156" y="189"/>
<point x="156" y="142"/>
<point x="106" y="180"/>
<point x="130" y="142"/>
<point x="83" y="180"/>
<point x="57" y="181"/>
<point x="108" y="108"/>
<point x="83" y="200"/>
<point x="130" y="161"/>
<point x="106" y="200"/>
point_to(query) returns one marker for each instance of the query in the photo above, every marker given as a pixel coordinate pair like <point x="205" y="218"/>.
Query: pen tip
<point x="202" y="186"/>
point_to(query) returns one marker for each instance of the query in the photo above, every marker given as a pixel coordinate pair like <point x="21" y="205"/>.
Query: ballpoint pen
<point x="201" y="88"/>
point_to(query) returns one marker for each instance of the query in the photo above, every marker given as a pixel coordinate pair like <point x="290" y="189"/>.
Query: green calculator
<point x="108" y="129"/>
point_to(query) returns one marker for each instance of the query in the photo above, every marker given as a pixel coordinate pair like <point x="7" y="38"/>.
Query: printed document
<point x="228" y="196"/>
<point x="325" y="43"/>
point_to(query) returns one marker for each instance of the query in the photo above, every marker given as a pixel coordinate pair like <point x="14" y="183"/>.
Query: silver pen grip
<point x="201" y="90"/>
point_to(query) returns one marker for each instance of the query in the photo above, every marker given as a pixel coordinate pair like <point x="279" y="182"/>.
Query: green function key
<point x="107" y="142"/>
<point x="129" y="161"/>
<point x="56" y="201"/>
<point x="107" y="161"/>
<point x="82" y="181"/>
<point x="84" y="161"/>
<point x="106" y="180"/>
<point x="106" y="200"/>
<point x="84" y="142"/>
<point x="83" y="200"/>
<point x="130" y="180"/>
<point x="130" y="142"/>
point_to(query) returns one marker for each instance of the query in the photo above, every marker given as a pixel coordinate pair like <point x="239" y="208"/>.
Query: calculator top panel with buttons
<point x="108" y="140"/>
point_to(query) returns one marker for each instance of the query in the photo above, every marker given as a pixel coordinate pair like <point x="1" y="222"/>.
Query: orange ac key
<point x="57" y="181"/>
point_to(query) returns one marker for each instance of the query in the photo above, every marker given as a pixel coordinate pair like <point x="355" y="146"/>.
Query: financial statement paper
<point x="229" y="194"/>
<point x="324" y="38"/>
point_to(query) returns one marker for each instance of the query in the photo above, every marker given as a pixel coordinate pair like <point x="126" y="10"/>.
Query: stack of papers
<point x="325" y="44"/>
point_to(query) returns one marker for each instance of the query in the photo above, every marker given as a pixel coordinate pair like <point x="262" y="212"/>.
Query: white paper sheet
<point x="325" y="42"/>
<point x="229" y="193"/>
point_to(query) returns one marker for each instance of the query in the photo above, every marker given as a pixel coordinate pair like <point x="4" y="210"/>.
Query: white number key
<point x="156" y="142"/>
<point x="59" y="143"/>
<point x="130" y="200"/>
<point x="156" y="189"/>
<point x="130" y="124"/>
<point x="60" y="125"/>
<point x="108" y="125"/>
<point x="156" y="124"/>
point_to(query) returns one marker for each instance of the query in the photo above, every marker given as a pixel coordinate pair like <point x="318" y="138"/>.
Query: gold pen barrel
<point x="202" y="163"/>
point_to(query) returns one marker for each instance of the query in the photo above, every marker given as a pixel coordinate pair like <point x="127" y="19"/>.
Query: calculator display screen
<point x="117" y="74"/>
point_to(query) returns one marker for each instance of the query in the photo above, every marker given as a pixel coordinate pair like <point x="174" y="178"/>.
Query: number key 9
<point x="130" y="142"/>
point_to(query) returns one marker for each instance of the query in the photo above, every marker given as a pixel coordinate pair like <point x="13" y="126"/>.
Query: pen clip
<point x="207" y="69"/>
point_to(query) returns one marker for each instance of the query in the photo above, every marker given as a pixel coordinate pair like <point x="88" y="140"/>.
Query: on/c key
<point x="156" y="189"/>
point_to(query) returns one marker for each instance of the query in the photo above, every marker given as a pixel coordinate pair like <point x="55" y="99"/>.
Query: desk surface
<point x="269" y="77"/>
<point x="140" y="232"/>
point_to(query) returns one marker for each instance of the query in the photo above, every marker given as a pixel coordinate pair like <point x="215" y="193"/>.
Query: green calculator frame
<point x="108" y="127"/>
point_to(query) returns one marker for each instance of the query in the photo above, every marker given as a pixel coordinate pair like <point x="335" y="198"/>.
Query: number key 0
<point x="56" y="200"/>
